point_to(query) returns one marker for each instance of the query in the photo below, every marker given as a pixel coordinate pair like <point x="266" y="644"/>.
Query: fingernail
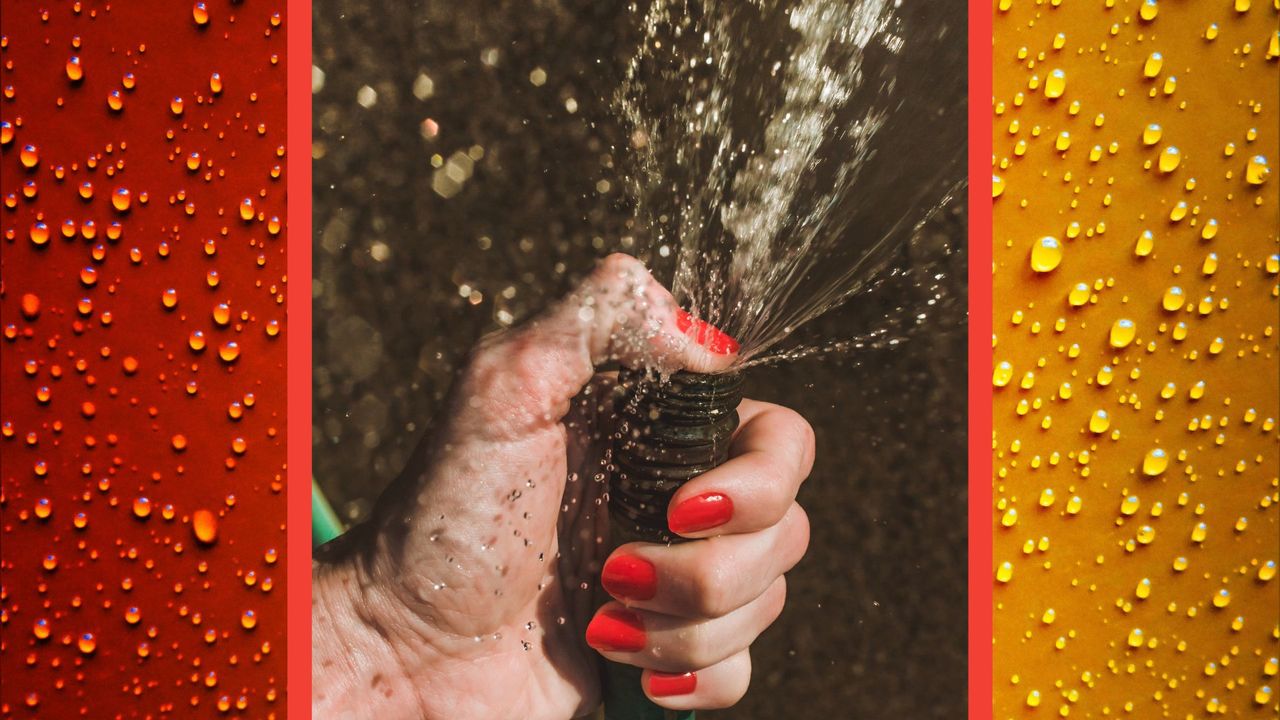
<point x="616" y="630"/>
<point x="700" y="512"/>
<point x="668" y="684"/>
<point x="628" y="577"/>
<point x="705" y="334"/>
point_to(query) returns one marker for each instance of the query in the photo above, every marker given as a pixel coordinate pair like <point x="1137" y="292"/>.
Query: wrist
<point x="360" y="663"/>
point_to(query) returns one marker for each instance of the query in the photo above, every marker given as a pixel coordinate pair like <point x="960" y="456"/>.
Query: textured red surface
<point x="101" y="385"/>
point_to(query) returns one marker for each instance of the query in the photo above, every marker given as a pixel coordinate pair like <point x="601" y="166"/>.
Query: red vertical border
<point x="980" y="324"/>
<point x="299" y="355"/>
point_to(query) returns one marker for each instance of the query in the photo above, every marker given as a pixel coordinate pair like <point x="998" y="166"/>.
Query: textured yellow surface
<point x="1135" y="361"/>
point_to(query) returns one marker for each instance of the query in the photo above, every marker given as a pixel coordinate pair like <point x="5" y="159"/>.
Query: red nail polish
<point x="628" y="577"/>
<point x="705" y="334"/>
<point x="617" y="630"/>
<point x="668" y="684"/>
<point x="700" y="512"/>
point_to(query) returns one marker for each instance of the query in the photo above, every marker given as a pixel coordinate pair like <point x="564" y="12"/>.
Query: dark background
<point x="406" y="280"/>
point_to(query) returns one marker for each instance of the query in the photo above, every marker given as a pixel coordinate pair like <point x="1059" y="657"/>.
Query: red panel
<point x="105" y="401"/>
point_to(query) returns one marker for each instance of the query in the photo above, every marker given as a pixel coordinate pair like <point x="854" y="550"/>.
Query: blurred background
<point x="467" y="167"/>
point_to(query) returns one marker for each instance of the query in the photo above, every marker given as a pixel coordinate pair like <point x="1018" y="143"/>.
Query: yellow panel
<point x="1136" y="358"/>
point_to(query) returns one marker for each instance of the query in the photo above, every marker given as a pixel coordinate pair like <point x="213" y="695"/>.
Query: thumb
<point x="523" y="378"/>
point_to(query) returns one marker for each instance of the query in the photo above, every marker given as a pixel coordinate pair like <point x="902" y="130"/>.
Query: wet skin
<point x="475" y="591"/>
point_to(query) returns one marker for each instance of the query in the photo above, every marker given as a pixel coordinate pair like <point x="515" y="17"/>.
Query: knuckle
<point x="710" y="591"/>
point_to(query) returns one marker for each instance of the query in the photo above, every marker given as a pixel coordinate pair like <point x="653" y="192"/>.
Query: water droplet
<point x="205" y="526"/>
<point x="1123" y="331"/>
<point x="1046" y="254"/>
<point x="1257" y="170"/>
<point x="1155" y="462"/>
<point x="1153" y="65"/>
<point x="1056" y="84"/>
<point x="1170" y="158"/>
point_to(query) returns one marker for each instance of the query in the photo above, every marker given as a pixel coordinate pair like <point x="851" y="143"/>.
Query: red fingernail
<point x="700" y="512"/>
<point x="617" y="630"/>
<point x="627" y="577"/>
<point x="705" y="334"/>
<point x="667" y="684"/>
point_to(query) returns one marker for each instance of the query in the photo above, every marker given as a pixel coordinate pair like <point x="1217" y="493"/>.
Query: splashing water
<point x="783" y="153"/>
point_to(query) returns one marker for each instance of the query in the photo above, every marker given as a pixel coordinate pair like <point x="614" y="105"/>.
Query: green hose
<point x="325" y="524"/>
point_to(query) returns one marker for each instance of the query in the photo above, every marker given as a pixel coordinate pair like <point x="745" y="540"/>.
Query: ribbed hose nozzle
<point x="670" y="432"/>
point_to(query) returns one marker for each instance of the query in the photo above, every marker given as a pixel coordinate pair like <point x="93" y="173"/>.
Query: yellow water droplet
<point x="997" y="186"/>
<point x="1129" y="505"/>
<point x="1153" y="65"/>
<point x="1047" y="497"/>
<point x="1146" y="242"/>
<point x="1155" y="462"/>
<point x="1222" y="598"/>
<point x="1074" y="505"/>
<point x="1099" y="422"/>
<point x="1170" y="158"/>
<point x="1263" y="695"/>
<point x="1046" y="254"/>
<point x="1151" y="134"/>
<point x="1136" y="638"/>
<point x="1173" y="299"/>
<point x="1143" y="591"/>
<point x="1010" y="517"/>
<point x="1055" y="84"/>
<point x="1123" y="331"/>
<point x="1243" y="5"/>
<point x="1257" y="170"/>
<point x="1199" y="532"/>
<point x="1148" y="10"/>
<point x="1266" y="573"/>
<point x="1146" y="534"/>
<point x="1004" y="573"/>
<point x="1003" y="373"/>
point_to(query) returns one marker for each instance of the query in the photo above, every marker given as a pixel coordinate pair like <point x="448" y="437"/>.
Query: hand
<point x="471" y="592"/>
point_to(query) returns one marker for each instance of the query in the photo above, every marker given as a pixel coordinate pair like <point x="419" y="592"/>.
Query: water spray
<point x="670" y="432"/>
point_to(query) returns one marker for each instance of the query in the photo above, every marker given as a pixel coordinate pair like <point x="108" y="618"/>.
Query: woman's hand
<point x="471" y="593"/>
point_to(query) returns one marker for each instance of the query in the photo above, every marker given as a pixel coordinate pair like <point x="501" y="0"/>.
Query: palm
<point x="521" y="594"/>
